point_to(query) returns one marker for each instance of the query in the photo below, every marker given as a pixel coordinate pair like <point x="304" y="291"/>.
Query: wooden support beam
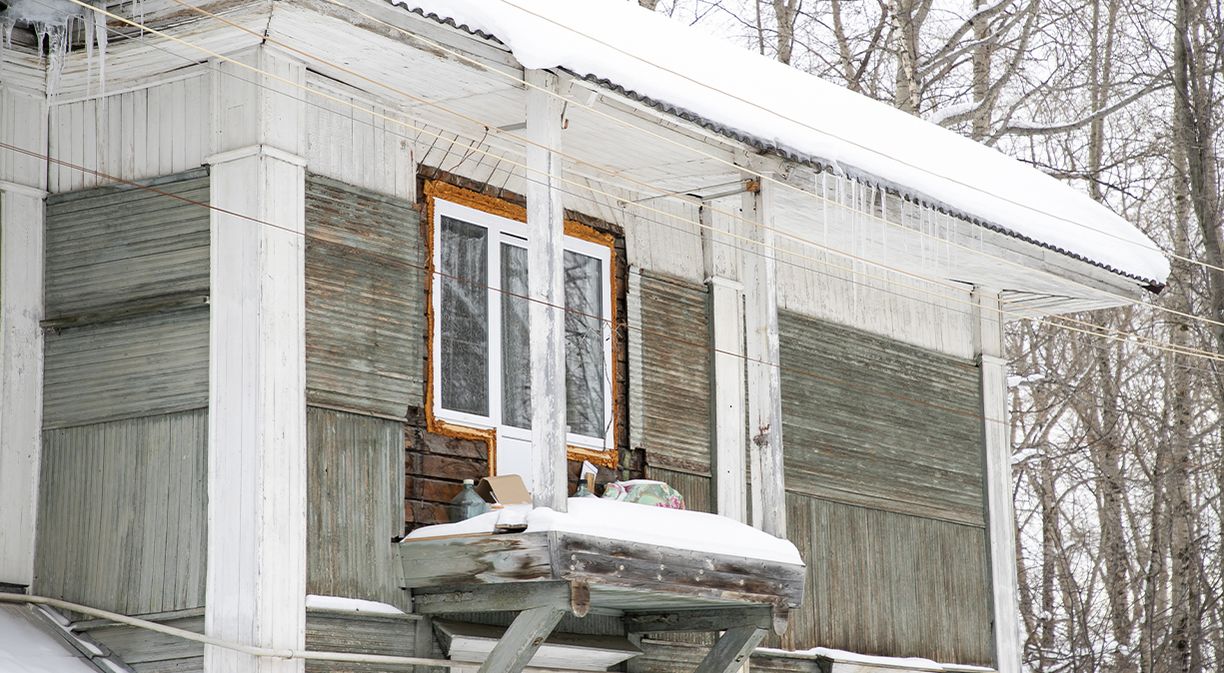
<point x="731" y="649"/>
<point x="546" y="287"/>
<point x="21" y="376"/>
<point x="521" y="640"/>
<point x="507" y="597"/>
<point x="704" y="619"/>
<point x="996" y="452"/>
<point x="256" y="561"/>
<point x="725" y="299"/>
<point x="760" y="278"/>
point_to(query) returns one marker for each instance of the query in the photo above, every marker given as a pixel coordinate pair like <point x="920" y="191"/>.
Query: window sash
<point x="506" y="232"/>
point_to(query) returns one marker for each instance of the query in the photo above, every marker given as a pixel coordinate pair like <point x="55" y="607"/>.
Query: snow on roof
<point x="905" y="663"/>
<point x="345" y="604"/>
<point x="631" y="522"/>
<point x="25" y="647"/>
<point x="776" y="106"/>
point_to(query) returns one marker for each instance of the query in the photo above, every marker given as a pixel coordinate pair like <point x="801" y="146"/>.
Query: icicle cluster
<point x="54" y="22"/>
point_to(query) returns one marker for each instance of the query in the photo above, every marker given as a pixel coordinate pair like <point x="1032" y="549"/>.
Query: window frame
<point x="506" y="225"/>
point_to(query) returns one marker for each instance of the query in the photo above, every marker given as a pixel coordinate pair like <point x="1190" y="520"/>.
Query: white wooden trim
<point x="1001" y="521"/>
<point x="256" y="569"/>
<point x="726" y="301"/>
<point x="545" y="282"/>
<point x="760" y="278"/>
<point x="21" y="378"/>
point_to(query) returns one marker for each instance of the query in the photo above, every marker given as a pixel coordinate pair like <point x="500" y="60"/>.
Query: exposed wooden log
<point x="731" y="649"/>
<point x="495" y="598"/>
<point x="707" y="619"/>
<point x="545" y="282"/>
<point x="521" y="640"/>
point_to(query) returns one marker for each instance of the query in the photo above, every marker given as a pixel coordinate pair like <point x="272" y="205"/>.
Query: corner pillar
<point x="546" y="287"/>
<point x="21" y="376"/>
<point x="996" y="453"/>
<point x="760" y="278"/>
<point x="256" y="572"/>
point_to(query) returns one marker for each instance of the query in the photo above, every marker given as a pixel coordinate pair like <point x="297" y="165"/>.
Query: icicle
<point x="100" y="33"/>
<point x="7" y="26"/>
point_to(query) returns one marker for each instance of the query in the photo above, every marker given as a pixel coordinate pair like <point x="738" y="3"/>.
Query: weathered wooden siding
<point x="873" y="422"/>
<point x="890" y="584"/>
<point x="355" y="505"/>
<point x="121" y="520"/>
<point x="150" y="652"/>
<point x="365" y="300"/>
<point x="669" y="383"/>
<point x="127" y="278"/>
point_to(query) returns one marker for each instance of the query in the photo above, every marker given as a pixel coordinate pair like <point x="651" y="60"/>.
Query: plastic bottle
<point x="467" y="504"/>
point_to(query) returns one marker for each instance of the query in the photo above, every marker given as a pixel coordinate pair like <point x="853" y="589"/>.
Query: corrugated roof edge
<point x="1148" y="284"/>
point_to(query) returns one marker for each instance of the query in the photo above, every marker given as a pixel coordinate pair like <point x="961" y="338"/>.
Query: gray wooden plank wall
<point x="149" y="652"/>
<point x="875" y="422"/>
<point x="126" y="247"/>
<point x="365" y="300"/>
<point x="355" y="495"/>
<point x="674" y="387"/>
<point x="121" y="517"/>
<point x="891" y="584"/>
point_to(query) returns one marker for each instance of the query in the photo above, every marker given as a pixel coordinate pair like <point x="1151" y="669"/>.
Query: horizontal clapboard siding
<point x="355" y="496"/>
<point x="673" y="388"/>
<point x="890" y="584"/>
<point x="112" y="254"/>
<point x="121" y="517"/>
<point x="365" y="300"/>
<point x="119" y="244"/>
<point x="136" y="367"/>
<point x="875" y="422"/>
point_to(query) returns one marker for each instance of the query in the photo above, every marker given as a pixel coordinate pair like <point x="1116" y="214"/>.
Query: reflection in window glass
<point x="584" y="351"/>
<point x="516" y="346"/>
<point x="464" y="336"/>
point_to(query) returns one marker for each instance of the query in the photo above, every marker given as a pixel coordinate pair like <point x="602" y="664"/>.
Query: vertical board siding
<point x="874" y="422"/>
<point x="121" y="520"/>
<point x="889" y="584"/>
<point x="132" y="135"/>
<point x="137" y="367"/>
<point x="355" y="505"/>
<point x="672" y="393"/>
<point x="126" y="246"/>
<point x="365" y="300"/>
<point x="118" y="244"/>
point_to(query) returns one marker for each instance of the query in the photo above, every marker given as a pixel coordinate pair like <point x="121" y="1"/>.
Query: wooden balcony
<point x="544" y="575"/>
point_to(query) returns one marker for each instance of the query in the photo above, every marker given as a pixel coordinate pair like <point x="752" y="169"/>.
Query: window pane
<point x="464" y="333"/>
<point x="516" y="347"/>
<point x="584" y="351"/>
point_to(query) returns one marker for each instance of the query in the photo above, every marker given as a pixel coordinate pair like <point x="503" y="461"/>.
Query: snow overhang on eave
<point x="842" y="168"/>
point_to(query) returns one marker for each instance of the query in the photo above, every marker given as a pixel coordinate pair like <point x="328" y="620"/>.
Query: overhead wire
<point x="1061" y="321"/>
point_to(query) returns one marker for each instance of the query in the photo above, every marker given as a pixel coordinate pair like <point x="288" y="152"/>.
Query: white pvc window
<point x="482" y="361"/>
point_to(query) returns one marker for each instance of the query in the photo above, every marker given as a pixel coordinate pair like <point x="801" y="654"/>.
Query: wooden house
<point x="265" y="303"/>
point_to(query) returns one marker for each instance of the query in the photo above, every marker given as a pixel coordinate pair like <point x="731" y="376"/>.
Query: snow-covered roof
<point x="769" y="104"/>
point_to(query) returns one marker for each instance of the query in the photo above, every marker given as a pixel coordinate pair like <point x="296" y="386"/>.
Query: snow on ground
<point x="630" y="522"/>
<point x="661" y="59"/>
<point x="25" y="648"/>
<point x="342" y="604"/>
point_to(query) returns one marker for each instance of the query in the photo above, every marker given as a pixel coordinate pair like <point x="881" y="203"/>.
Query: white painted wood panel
<point x="147" y="132"/>
<point x="23" y="119"/>
<point x="21" y="361"/>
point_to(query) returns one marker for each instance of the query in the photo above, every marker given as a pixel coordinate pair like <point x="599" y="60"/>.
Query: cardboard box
<point x="504" y="489"/>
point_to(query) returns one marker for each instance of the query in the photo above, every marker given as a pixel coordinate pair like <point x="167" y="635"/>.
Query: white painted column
<point x="1001" y="520"/>
<point x="21" y="376"/>
<point x="726" y="302"/>
<point x="760" y="278"/>
<point x="546" y="286"/>
<point x="256" y="579"/>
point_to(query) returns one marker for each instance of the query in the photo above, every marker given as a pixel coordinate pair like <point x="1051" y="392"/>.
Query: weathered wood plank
<point x="731" y="649"/>
<point x="521" y="640"/>
<point x="496" y="558"/>
<point x="710" y="619"/>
